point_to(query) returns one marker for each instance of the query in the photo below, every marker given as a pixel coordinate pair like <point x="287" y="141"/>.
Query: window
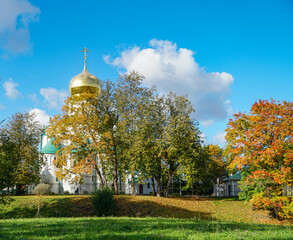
<point x="149" y="185"/>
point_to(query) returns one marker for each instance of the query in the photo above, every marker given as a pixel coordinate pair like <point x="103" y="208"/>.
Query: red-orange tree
<point x="262" y="141"/>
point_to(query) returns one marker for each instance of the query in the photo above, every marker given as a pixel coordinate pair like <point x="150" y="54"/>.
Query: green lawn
<point x="137" y="228"/>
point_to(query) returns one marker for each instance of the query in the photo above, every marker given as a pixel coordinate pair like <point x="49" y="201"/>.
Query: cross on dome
<point x="85" y="50"/>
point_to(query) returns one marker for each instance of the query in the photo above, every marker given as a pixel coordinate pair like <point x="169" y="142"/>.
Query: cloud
<point x="53" y="98"/>
<point x="10" y="89"/>
<point x="207" y="123"/>
<point x="15" y="16"/>
<point x="219" y="138"/>
<point x="41" y="116"/>
<point x="173" y="69"/>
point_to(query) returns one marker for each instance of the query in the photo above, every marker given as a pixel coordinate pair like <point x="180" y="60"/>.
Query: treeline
<point x="130" y="130"/>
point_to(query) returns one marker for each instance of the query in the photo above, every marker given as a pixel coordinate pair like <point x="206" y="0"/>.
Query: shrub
<point x="66" y="192"/>
<point x="103" y="202"/>
<point x="41" y="190"/>
<point x="85" y="192"/>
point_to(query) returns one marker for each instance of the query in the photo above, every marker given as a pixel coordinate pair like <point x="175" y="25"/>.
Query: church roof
<point x="235" y="177"/>
<point x="49" y="148"/>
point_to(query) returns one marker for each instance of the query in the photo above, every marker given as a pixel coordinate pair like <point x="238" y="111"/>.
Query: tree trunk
<point x="158" y="184"/>
<point x="115" y="177"/>
<point x="132" y="185"/>
<point x="153" y="185"/>
<point x="100" y="177"/>
<point x="170" y="174"/>
<point x="115" y="170"/>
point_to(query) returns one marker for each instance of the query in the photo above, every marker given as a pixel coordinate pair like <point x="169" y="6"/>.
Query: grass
<point x="137" y="228"/>
<point x="139" y="206"/>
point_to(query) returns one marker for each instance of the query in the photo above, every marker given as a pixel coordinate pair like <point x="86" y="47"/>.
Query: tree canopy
<point x="260" y="144"/>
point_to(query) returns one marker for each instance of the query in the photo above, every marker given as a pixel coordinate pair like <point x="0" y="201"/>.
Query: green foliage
<point x="19" y="157"/>
<point x="103" y="202"/>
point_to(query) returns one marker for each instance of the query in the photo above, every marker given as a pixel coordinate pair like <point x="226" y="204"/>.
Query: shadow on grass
<point x="147" y="208"/>
<point x="136" y="228"/>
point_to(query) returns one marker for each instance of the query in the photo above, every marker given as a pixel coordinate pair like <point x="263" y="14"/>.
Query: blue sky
<point x="224" y="54"/>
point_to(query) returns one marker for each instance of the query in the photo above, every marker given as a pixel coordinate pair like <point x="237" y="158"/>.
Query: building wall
<point x="90" y="181"/>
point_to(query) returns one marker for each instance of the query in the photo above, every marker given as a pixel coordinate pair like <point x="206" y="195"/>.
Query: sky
<point x="224" y="55"/>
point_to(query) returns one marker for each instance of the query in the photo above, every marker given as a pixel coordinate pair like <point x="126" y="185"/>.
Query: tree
<point x="20" y="137"/>
<point x="260" y="144"/>
<point x="182" y="138"/>
<point x="131" y="98"/>
<point x="153" y="141"/>
<point x="77" y="134"/>
<point x="107" y="104"/>
<point x="217" y="165"/>
<point x="41" y="190"/>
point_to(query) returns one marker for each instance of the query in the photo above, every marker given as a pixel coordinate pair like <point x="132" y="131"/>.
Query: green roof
<point x="49" y="148"/>
<point x="236" y="176"/>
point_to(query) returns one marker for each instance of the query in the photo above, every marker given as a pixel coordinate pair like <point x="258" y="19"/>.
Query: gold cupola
<point x="85" y="82"/>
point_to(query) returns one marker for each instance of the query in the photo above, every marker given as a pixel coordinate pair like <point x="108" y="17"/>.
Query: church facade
<point x="80" y="83"/>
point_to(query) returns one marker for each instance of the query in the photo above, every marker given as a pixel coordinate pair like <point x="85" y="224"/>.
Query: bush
<point x="66" y="192"/>
<point x="42" y="189"/>
<point x="103" y="202"/>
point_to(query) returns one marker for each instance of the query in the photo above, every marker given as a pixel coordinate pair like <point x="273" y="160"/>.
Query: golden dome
<point x="84" y="82"/>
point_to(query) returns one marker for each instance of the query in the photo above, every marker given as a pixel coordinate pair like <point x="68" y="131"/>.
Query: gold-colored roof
<point x="85" y="82"/>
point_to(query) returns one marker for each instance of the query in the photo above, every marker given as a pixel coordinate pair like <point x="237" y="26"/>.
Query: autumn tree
<point x="260" y="144"/>
<point x="19" y="156"/>
<point x="217" y="165"/>
<point x="77" y="134"/>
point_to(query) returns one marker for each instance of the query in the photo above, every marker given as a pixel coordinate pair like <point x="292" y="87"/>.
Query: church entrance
<point x="140" y="189"/>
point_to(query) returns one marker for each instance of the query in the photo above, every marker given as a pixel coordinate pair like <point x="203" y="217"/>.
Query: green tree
<point x="109" y="120"/>
<point x="19" y="156"/>
<point x="131" y="99"/>
<point x="182" y="138"/>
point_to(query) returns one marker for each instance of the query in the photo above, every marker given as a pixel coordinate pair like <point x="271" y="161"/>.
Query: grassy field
<point x="137" y="228"/>
<point x="139" y="217"/>
<point x="139" y="206"/>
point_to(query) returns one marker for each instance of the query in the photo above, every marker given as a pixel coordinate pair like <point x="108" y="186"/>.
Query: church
<point x="83" y="82"/>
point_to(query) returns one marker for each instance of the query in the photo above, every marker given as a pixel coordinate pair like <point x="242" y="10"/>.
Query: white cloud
<point x="10" y="89"/>
<point x="15" y="16"/>
<point x="207" y="123"/>
<point x="41" y="116"/>
<point x="219" y="138"/>
<point x="173" y="69"/>
<point x="53" y="98"/>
